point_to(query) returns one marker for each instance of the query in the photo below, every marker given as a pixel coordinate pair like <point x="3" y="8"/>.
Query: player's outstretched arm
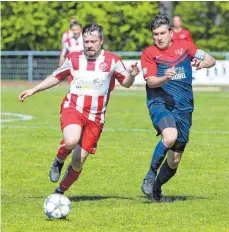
<point x="49" y="82"/>
<point x="203" y="60"/>
<point x="129" y="80"/>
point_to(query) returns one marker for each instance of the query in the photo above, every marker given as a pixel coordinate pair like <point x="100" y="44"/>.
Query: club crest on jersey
<point x="179" y="51"/>
<point x="103" y="66"/>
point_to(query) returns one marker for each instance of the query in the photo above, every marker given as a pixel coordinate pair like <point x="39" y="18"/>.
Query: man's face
<point x="92" y="44"/>
<point x="76" y="29"/>
<point x="162" y="36"/>
<point x="177" y="21"/>
<point x="72" y="20"/>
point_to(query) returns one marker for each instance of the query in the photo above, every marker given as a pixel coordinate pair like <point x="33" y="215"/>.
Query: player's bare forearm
<point x="203" y="60"/>
<point x="61" y="60"/>
<point x="155" y="82"/>
<point x="47" y="83"/>
<point x="209" y="61"/>
<point x="128" y="81"/>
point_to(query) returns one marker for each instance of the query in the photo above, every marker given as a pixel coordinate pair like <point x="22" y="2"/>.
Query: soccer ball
<point x="57" y="206"/>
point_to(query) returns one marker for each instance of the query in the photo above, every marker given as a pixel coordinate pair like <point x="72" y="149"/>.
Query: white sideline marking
<point x="139" y="130"/>
<point x="19" y="117"/>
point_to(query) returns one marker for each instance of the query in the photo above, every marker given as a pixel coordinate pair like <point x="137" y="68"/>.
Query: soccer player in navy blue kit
<point x="167" y="69"/>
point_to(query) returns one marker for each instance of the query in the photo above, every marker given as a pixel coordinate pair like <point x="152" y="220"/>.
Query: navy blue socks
<point x="158" y="157"/>
<point x="165" y="174"/>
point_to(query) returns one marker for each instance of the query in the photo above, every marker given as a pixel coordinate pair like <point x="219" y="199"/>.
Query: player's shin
<point x="157" y="159"/>
<point x="165" y="174"/>
<point x="69" y="178"/>
<point x="63" y="152"/>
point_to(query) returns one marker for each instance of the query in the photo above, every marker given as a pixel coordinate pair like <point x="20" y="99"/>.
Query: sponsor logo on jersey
<point x="179" y="76"/>
<point x="95" y="84"/>
<point x="103" y="66"/>
<point x="180" y="73"/>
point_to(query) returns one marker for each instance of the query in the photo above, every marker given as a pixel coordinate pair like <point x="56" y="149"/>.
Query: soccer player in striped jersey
<point x="73" y="43"/>
<point x="68" y="34"/>
<point x="168" y="74"/>
<point x="93" y="72"/>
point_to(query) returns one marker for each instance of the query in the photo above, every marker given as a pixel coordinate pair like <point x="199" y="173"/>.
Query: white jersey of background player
<point x="73" y="43"/>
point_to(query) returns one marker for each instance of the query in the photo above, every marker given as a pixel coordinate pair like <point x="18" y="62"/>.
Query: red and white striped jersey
<point x="92" y="82"/>
<point x="67" y="35"/>
<point x="72" y="45"/>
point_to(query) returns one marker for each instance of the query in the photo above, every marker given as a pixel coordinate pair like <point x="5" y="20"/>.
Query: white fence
<point x="36" y="65"/>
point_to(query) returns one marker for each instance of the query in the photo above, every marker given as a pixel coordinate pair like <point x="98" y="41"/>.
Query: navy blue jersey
<point x="176" y="95"/>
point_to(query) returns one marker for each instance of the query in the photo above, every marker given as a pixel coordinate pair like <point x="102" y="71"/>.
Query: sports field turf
<point x="107" y="196"/>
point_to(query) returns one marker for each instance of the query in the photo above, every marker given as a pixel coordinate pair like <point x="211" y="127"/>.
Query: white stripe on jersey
<point x="82" y="63"/>
<point x="103" y="109"/>
<point x="80" y="103"/>
<point x="94" y="107"/>
<point x="67" y="103"/>
<point x="99" y="61"/>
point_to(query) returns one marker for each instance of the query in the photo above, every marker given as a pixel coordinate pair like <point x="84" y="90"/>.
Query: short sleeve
<point x="189" y="37"/>
<point x="120" y="71"/>
<point x="64" y="70"/>
<point x="149" y="66"/>
<point x="192" y="48"/>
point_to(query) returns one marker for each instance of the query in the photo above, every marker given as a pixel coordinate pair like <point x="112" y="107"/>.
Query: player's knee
<point x="71" y="143"/>
<point x="170" y="139"/>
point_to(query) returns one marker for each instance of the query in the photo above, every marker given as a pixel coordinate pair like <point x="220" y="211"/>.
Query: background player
<point x="180" y="33"/>
<point x="94" y="71"/>
<point x="168" y="74"/>
<point x="68" y="34"/>
<point x="73" y="43"/>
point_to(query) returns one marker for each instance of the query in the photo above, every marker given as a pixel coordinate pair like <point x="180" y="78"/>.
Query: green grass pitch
<point x="107" y="197"/>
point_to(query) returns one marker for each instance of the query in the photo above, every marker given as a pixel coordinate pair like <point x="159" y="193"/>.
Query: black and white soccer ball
<point x="57" y="206"/>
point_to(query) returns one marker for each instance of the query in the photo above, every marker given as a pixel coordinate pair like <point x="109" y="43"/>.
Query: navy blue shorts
<point x="183" y="121"/>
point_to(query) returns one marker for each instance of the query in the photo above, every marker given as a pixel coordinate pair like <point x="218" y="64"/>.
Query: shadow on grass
<point x="96" y="198"/>
<point x="89" y="198"/>
<point x="174" y="199"/>
<point x="55" y="219"/>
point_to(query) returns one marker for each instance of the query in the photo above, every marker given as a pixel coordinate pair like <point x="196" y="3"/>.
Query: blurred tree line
<point x="39" y="25"/>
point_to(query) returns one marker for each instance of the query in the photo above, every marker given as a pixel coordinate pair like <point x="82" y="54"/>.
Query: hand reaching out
<point x="134" y="70"/>
<point x="199" y="64"/>
<point x="26" y="93"/>
<point x="169" y="74"/>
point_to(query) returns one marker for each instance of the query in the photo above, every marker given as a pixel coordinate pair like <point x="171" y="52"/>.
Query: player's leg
<point x="87" y="145"/>
<point x="72" y="134"/>
<point x="64" y="150"/>
<point x="72" y="122"/>
<point x="168" y="168"/>
<point x="74" y="169"/>
<point x="167" y="128"/>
